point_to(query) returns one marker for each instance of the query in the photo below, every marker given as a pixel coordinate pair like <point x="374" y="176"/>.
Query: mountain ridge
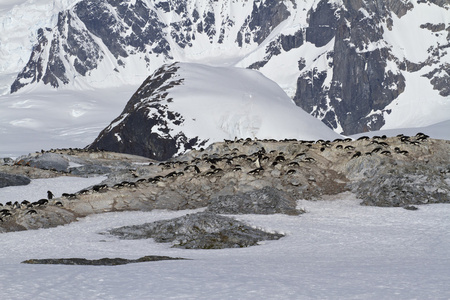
<point x="350" y="64"/>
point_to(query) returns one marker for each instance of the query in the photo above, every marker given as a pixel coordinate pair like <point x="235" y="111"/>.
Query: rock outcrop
<point x="97" y="262"/>
<point x="204" y="230"/>
<point x="253" y="176"/>
<point x="13" y="180"/>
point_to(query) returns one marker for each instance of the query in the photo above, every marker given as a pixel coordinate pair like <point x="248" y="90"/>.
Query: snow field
<point x="337" y="250"/>
<point x="38" y="188"/>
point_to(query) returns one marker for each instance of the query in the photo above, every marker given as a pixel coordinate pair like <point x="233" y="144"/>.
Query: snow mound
<point x="185" y="106"/>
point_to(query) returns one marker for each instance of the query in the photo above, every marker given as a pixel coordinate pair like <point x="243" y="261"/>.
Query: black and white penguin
<point x="50" y="195"/>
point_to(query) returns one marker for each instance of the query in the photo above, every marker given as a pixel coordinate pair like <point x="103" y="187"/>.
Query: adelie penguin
<point x="50" y="195"/>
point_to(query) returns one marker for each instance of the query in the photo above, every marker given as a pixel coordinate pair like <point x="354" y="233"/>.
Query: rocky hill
<point x="356" y="65"/>
<point x="184" y="106"/>
<point x="244" y="176"/>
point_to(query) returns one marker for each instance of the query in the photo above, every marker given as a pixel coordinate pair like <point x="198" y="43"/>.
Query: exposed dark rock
<point x="265" y="17"/>
<point x="361" y="83"/>
<point x="198" y="231"/>
<point x="410" y="207"/>
<point x="440" y="79"/>
<point x="97" y="262"/>
<point x="132" y="130"/>
<point x="123" y="28"/>
<point x="322" y="24"/>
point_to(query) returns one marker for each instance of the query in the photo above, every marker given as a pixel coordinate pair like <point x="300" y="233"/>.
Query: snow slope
<point x="337" y="250"/>
<point x="46" y="119"/>
<point x="243" y="103"/>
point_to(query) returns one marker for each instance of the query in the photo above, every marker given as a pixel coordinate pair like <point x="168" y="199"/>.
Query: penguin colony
<point x="251" y="159"/>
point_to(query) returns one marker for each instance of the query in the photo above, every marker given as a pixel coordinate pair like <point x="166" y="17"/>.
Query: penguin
<point x="42" y="202"/>
<point x="50" y="195"/>
<point x="357" y="154"/>
<point x="3" y="212"/>
<point x="255" y="171"/>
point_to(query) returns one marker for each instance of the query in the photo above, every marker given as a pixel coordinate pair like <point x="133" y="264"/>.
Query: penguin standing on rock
<point x="49" y="195"/>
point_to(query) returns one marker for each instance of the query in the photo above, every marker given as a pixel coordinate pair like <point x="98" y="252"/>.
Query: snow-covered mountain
<point x="356" y="65"/>
<point x="186" y="105"/>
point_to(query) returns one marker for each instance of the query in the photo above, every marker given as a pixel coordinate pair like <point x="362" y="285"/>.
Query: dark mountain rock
<point x="322" y="24"/>
<point x="360" y="79"/>
<point x="132" y="132"/>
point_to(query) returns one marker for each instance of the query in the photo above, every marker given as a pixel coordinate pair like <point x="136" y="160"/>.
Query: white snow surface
<point x="337" y="250"/>
<point x="46" y="119"/>
<point x="37" y="189"/>
<point x="225" y="102"/>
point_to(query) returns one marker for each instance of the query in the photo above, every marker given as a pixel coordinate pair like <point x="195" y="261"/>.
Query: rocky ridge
<point x="229" y="177"/>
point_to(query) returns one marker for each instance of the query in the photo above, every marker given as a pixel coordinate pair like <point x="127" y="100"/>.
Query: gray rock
<point x="6" y="161"/>
<point x="13" y="180"/>
<point x="265" y="201"/>
<point x="204" y="230"/>
<point x="403" y="186"/>
<point x="47" y="161"/>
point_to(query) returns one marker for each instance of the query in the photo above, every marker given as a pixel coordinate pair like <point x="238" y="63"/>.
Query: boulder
<point x="13" y="180"/>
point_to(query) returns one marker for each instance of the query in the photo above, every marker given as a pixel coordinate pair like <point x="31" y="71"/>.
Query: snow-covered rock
<point x="186" y="106"/>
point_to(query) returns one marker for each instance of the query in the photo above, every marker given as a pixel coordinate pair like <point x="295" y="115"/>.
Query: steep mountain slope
<point x="356" y="65"/>
<point x="184" y="106"/>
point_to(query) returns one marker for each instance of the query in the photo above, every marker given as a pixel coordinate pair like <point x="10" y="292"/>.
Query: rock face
<point x="351" y="60"/>
<point x="198" y="231"/>
<point x="143" y="128"/>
